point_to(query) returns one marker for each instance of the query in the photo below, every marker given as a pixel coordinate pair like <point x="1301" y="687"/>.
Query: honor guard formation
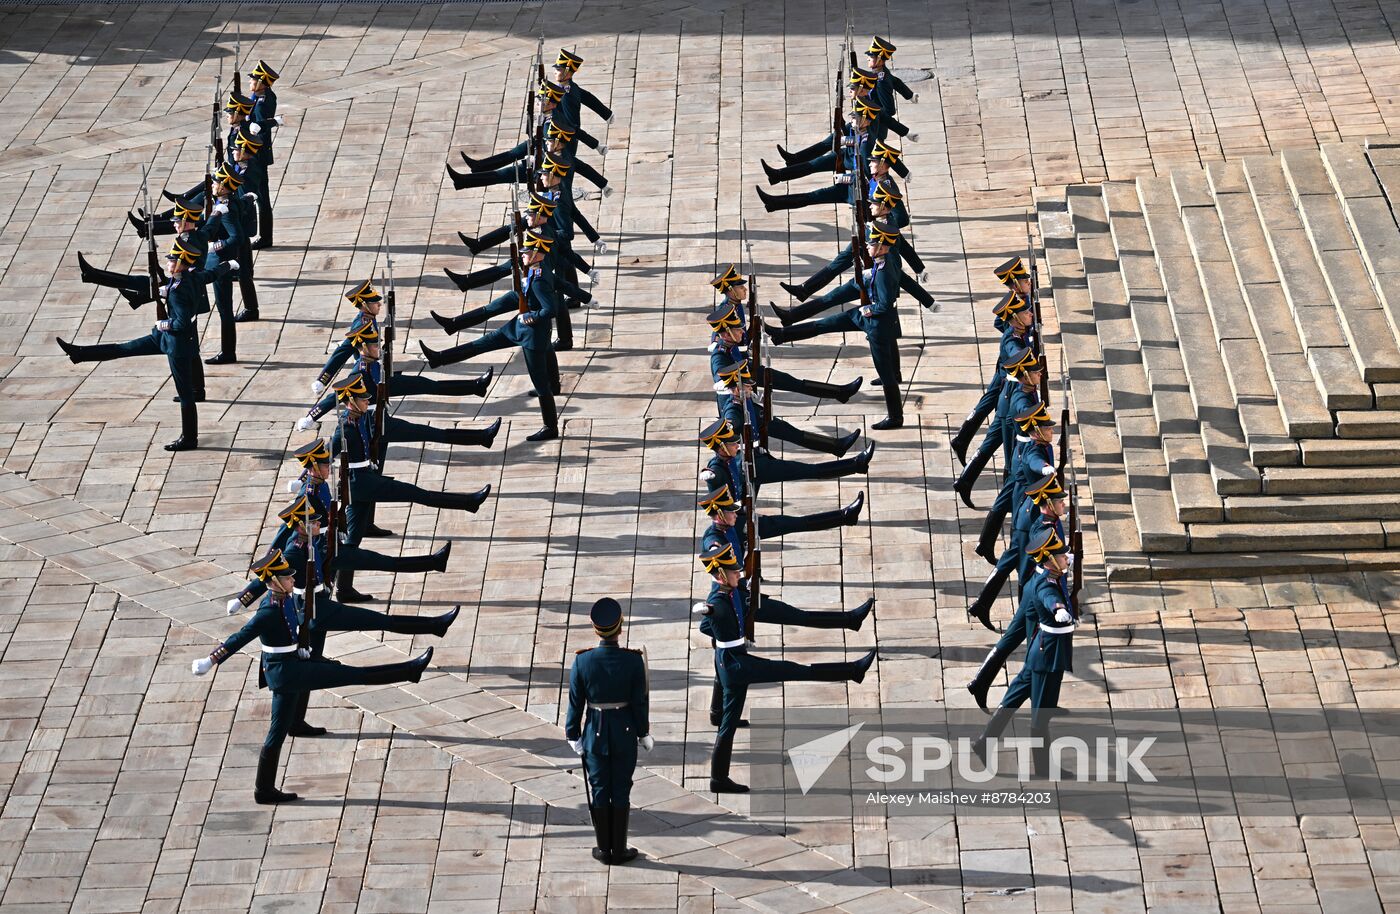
<point x="302" y="584"/>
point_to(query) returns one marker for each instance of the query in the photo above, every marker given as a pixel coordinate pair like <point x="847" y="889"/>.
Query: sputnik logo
<point x="811" y="759"/>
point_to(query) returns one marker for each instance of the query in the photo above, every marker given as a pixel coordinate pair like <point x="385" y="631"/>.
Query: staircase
<point x="1233" y="340"/>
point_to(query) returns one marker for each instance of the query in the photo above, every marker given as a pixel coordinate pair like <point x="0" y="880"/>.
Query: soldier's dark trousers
<point x="247" y="289"/>
<point x="1006" y="645"/>
<point x="404" y="384"/>
<point x="770" y="469"/>
<point x="781" y="380"/>
<point x="808" y="153"/>
<point x="540" y="363"/>
<point x="357" y="559"/>
<point x="396" y="429"/>
<point x="290" y="685"/>
<point x="826" y="162"/>
<point x="131" y="282"/>
<point x="265" y="213"/>
<point x="223" y="302"/>
<point x="784" y="430"/>
<point x="996" y="517"/>
<point x="836" y="193"/>
<point x="984" y="408"/>
<point x="368" y="488"/>
<point x="182" y="371"/>
<point x="500" y="159"/>
<point x="771" y="526"/>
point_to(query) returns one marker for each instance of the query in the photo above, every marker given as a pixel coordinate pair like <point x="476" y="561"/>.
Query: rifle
<point x="536" y="135"/>
<point x="308" y="594"/>
<point x="1074" y="530"/>
<point x="1035" y="312"/>
<point x="237" y="57"/>
<point x="838" y="116"/>
<point x="758" y="352"/>
<point x="152" y="258"/>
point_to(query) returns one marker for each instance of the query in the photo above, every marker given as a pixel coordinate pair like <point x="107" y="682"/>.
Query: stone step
<point x="1333" y="481"/>
<point x="1371" y="220"/>
<point x="1368" y="423"/>
<point x="1102" y="449"/>
<point x="1367" y="326"/>
<point x="1309" y="508"/>
<point x="1299" y="390"/>
<point x="1243" y="359"/>
<point x="1224" y="439"/>
<point x="1333" y="536"/>
<point x="1342" y="452"/>
<point x="1295" y="268"/>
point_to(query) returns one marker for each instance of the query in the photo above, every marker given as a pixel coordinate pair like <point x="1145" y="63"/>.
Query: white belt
<point x="361" y="464"/>
<point x="739" y="643"/>
<point x="301" y="591"/>
<point x="608" y="705"/>
<point x="1056" y="629"/>
<point x="284" y="649"/>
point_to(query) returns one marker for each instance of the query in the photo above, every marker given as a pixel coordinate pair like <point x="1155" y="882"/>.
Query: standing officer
<point x="226" y="239"/>
<point x="175" y="336"/>
<point x="287" y="668"/>
<point x="611" y="682"/>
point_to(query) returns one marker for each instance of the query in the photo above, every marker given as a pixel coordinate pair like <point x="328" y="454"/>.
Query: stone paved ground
<point x="125" y="782"/>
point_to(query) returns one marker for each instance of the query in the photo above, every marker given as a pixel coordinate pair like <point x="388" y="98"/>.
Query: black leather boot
<point x="720" y="781"/>
<point x="345" y="590"/>
<point x="894" y="409"/>
<point x="986" y="675"/>
<point x="968" y="477"/>
<point x="855" y="618"/>
<point x="602" y="833"/>
<point x="265" y="790"/>
<point x="621" y="853"/>
<point x="994" y="729"/>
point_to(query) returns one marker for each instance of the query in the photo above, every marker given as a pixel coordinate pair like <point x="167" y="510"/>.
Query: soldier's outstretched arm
<point x="587" y="138"/>
<point x="585" y="170"/>
<point x="573" y="718"/>
<point x="588" y="230"/>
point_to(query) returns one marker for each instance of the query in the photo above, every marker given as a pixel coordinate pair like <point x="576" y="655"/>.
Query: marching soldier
<point x="1042" y="504"/>
<point x="175" y="336"/>
<point x="736" y="397"/>
<point x="886" y="205"/>
<point x="355" y="389"/>
<point x="878" y="320"/>
<point x="1016" y="278"/>
<point x="561" y="136"/>
<point x="607" y="720"/>
<point x="226" y="239"/>
<point x="286" y="666"/>
<point x="722" y="620"/>
<point x="727" y="346"/>
<point x="1044" y="531"/>
<point x="865" y="111"/>
<point x="725" y="466"/>
<point x="1050" y="620"/>
<point x="725" y="515"/>
<point x="264" y="110"/>
<point x="1020" y="391"/>
<point x="887" y="85"/>
<point x="529" y="329"/>
<point x="576" y="97"/>
<point x="363" y="338"/>
<point x="1031" y="458"/>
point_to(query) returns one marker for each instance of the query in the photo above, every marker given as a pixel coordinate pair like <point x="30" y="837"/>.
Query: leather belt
<point x="361" y="464"/>
<point x="301" y="591"/>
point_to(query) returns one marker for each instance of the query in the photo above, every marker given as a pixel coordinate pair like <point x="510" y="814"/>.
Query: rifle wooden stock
<point x="309" y="595"/>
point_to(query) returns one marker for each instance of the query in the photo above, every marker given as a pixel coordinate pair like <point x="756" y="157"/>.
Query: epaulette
<point x="632" y="650"/>
<point x="582" y="650"/>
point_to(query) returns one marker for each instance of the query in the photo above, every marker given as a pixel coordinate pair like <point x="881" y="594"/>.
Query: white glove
<point x="592" y="277"/>
<point x="233" y="606"/>
<point x="201" y="666"/>
<point x="707" y="474"/>
<point x="749" y="642"/>
<point x="305" y="424"/>
<point x="233" y="265"/>
<point x="219" y="209"/>
<point x="923" y="277"/>
<point x="163" y="326"/>
<point x="1047" y="471"/>
<point x="1063" y="617"/>
<point x="602" y="149"/>
<point x="912" y="138"/>
<point x="577" y="746"/>
<point x="317" y="388"/>
<point x="915" y="99"/>
<point x="647" y="743"/>
<point x="610" y="118"/>
<point x="304" y="653"/>
<point x="279" y="120"/>
<point x="701" y="608"/>
<point x="256" y="239"/>
<point x="600" y="246"/>
<point x="255" y="129"/>
<point x="294" y="486"/>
